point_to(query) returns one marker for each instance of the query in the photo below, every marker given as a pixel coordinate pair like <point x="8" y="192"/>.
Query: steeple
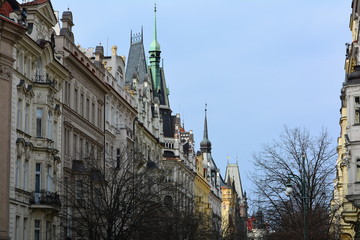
<point x="155" y="46"/>
<point x="205" y="144"/>
<point x="155" y="61"/>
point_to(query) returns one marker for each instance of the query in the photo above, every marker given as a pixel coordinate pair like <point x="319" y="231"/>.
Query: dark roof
<point x="136" y="62"/>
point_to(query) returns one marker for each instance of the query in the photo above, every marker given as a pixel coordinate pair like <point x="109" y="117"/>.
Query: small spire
<point x="155" y="46"/>
<point x="205" y="144"/>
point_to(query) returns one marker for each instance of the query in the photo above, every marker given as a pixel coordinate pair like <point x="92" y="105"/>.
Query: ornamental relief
<point x="5" y="72"/>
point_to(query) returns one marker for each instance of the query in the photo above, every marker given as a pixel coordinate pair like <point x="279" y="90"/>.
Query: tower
<point x="155" y="59"/>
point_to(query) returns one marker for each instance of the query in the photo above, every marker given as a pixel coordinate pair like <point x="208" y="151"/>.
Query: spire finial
<point x="205" y="144"/>
<point x="155" y="46"/>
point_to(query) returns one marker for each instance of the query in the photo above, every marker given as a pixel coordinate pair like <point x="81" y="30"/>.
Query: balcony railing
<point x="44" y="79"/>
<point x="45" y="198"/>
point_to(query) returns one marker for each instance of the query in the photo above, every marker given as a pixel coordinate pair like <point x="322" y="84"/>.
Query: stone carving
<point x="5" y="72"/>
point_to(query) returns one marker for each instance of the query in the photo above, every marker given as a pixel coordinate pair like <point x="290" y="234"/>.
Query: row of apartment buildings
<point x="63" y="106"/>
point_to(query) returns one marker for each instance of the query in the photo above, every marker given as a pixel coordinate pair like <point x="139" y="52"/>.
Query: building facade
<point x="345" y="203"/>
<point x="36" y="125"/>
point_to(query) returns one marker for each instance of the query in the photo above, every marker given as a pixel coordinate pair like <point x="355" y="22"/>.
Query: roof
<point x="36" y="2"/>
<point x="232" y="172"/>
<point x="6" y="9"/>
<point x="136" y="62"/>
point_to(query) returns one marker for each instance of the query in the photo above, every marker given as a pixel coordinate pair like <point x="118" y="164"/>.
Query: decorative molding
<point x="5" y="72"/>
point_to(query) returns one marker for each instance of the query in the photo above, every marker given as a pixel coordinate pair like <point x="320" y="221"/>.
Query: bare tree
<point x="296" y="158"/>
<point x="127" y="198"/>
<point x="109" y="200"/>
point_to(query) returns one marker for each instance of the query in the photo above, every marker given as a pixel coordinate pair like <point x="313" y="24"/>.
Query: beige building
<point x="346" y="202"/>
<point x="11" y="33"/>
<point x="36" y="126"/>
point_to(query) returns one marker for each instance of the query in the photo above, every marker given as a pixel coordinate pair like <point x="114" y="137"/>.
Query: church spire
<point x="205" y="144"/>
<point x="155" y="46"/>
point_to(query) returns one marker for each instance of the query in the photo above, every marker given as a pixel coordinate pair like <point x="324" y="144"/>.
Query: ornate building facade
<point x="36" y="124"/>
<point x="345" y="203"/>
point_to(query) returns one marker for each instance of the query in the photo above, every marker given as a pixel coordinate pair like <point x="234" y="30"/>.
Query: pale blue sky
<point x="258" y="64"/>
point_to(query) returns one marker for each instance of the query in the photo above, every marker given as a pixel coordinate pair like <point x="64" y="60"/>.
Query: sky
<point x="258" y="64"/>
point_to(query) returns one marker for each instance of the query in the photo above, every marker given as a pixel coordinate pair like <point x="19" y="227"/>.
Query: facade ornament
<point x="5" y="72"/>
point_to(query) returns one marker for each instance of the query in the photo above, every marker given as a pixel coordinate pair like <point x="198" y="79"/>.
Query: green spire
<point x="155" y="46"/>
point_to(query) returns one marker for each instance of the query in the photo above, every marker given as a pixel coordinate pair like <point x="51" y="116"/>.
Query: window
<point x="81" y="148"/>
<point x="17" y="178"/>
<point x="99" y="117"/>
<point x="79" y="190"/>
<point x="39" y="114"/>
<point x="50" y="125"/>
<point x="25" y="233"/>
<point x="48" y="230"/>
<point x="19" y="114"/>
<point x="67" y="141"/>
<point x="93" y="113"/>
<point x="112" y="115"/>
<point x="37" y="229"/>
<point x="82" y="104"/>
<point x="55" y="136"/>
<point x="37" y="177"/>
<point x="17" y="223"/>
<point x="26" y="175"/>
<point x="76" y="100"/>
<point x="358" y="170"/>
<point x="49" y="179"/>
<point x="67" y="93"/>
<point x="88" y="109"/>
<point x="27" y="117"/>
<point x="118" y="158"/>
<point x="87" y="148"/>
<point x="75" y="145"/>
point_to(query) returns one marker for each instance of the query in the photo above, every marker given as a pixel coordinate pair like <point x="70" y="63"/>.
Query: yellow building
<point x="345" y="214"/>
<point x="228" y="209"/>
<point x="201" y="189"/>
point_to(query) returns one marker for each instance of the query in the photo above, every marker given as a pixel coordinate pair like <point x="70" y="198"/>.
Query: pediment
<point x="47" y="12"/>
<point x="43" y="10"/>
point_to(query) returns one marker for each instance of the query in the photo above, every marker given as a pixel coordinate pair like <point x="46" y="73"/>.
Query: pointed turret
<point x="205" y="144"/>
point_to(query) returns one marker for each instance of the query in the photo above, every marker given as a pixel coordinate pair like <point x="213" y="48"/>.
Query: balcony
<point x="45" y="200"/>
<point x="44" y="79"/>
